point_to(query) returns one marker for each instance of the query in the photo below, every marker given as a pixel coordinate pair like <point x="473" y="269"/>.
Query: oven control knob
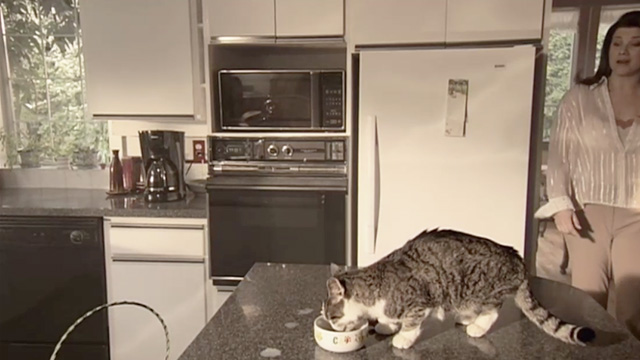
<point x="272" y="150"/>
<point x="287" y="150"/>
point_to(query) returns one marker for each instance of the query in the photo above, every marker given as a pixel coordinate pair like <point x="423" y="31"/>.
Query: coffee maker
<point x="163" y="158"/>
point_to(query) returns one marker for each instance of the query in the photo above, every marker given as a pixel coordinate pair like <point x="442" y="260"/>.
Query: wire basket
<point x="116" y="303"/>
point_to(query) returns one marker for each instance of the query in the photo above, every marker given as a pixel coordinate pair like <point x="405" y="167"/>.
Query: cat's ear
<point x="335" y="288"/>
<point x="334" y="269"/>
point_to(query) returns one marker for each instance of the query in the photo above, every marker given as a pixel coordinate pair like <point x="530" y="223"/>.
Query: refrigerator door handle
<point x="369" y="192"/>
<point x="376" y="182"/>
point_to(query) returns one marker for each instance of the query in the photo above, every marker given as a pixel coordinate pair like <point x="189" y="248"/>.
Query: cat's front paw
<point x="386" y="329"/>
<point x="475" y="331"/>
<point x="401" y="341"/>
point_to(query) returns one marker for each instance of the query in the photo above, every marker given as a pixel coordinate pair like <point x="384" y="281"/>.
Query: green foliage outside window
<point x="559" y="64"/>
<point x="558" y="75"/>
<point x="46" y="80"/>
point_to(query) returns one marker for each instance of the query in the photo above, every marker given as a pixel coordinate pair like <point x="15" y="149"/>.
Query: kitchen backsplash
<point x="73" y="179"/>
<point x="54" y="178"/>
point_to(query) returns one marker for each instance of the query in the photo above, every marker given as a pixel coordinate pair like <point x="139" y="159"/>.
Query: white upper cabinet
<point x="241" y="17"/>
<point x="309" y="18"/>
<point x="494" y="20"/>
<point x="138" y="57"/>
<point x="275" y="18"/>
<point x="396" y="21"/>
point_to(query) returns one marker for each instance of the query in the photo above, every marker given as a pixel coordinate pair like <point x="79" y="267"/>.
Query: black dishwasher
<point x="52" y="270"/>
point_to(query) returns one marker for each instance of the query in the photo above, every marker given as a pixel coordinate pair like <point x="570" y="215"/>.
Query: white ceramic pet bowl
<point x="337" y="341"/>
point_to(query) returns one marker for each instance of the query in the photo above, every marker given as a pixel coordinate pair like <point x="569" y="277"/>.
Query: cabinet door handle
<point x="157" y="258"/>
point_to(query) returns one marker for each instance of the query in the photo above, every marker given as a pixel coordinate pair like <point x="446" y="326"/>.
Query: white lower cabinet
<point x="175" y="290"/>
<point x="161" y="263"/>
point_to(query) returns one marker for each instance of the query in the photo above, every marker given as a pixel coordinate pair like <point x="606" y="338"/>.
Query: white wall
<point x="120" y="131"/>
<point x="129" y="129"/>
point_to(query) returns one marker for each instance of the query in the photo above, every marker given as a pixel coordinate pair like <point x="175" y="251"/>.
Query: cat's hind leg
<point x="483" y="322"/>
<point x="410" y="329"/>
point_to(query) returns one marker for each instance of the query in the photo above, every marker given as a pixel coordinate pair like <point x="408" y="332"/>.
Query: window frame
<point x="588" y="24"/>
<point x="585" y="48"/>
<point x="7" y="123"/>
<point x="8" y="118"/>
<point x="11" y="125"/>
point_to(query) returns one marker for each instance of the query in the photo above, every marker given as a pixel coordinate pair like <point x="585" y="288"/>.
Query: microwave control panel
<point x="331" y="86"/>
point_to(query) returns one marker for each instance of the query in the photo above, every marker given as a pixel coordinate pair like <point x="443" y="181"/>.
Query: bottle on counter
<point x="127" y="174"/>
<point x="116" y="180"/>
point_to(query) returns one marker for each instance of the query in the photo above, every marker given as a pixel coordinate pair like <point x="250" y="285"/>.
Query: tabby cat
<point x="439" y="271"/>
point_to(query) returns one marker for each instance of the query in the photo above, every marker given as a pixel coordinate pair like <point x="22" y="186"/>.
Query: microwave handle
<point x="316" y="106"/>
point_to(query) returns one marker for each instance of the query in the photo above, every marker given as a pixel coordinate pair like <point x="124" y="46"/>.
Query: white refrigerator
<point x="412" y="175"/>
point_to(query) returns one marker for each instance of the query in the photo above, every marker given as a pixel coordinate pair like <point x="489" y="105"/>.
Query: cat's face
<point x="342" y="313"/>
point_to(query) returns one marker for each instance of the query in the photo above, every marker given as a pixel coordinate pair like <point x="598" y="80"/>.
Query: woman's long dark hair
<point x="630" y="19"/>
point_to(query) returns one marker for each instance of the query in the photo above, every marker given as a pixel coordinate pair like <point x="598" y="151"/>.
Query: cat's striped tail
<point x="548" y="322"/>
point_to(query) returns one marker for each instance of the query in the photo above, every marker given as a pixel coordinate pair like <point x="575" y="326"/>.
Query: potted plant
<point x="25" y="145"/>
<point x="88" y="142"/>
<point x="30" y="156"/>
<point x="57" y="152"/>
<point x="31" y="144"/>
<point x="9" y="145"/>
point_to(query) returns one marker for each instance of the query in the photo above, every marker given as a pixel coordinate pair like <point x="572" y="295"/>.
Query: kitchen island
<point x="271" y="313"/>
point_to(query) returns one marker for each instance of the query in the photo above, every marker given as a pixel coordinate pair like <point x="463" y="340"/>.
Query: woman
<point x="593" y="174"/>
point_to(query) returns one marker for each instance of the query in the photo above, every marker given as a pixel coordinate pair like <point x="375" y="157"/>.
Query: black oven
<point x="288" y="210"/>
<point x="281" y="100"/>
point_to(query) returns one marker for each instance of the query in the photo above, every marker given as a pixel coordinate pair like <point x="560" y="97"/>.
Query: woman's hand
<point x="567" y="222"/>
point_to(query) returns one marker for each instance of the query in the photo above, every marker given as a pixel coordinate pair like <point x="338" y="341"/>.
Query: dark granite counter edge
<point x="153" y="213"/>
<point x="95" y="203"/>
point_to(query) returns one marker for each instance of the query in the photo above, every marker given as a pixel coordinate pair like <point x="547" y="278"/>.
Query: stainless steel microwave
<point x="281" y="100"/>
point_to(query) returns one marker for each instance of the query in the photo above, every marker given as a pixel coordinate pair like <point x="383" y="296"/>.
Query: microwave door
<point x="245" y="100"/>
<point x="269" y="100"/>
<point x="291" y="101"/>
<point x="232" y="104"/>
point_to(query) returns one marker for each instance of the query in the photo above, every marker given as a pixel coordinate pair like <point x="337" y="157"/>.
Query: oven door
<point x="304" y="226"/>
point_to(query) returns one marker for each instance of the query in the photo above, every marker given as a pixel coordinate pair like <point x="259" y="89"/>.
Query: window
<point x="609" y="15"/>
<point x="560" y="63"/>
<point x="44" y="103"/>
<point x="577" y="30"/>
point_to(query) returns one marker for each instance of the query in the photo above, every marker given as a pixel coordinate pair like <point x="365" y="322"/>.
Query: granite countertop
<point x="83" y="202"/>
<point x="275" y="305"/>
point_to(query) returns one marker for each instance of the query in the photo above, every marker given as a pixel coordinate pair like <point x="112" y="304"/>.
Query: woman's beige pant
<point x="609" y="248"/>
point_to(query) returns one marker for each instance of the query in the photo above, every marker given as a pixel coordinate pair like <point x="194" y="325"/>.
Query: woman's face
<point x="624" y="54"/>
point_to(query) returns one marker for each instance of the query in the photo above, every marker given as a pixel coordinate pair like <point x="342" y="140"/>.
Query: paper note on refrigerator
<point x="456" y="116"/>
